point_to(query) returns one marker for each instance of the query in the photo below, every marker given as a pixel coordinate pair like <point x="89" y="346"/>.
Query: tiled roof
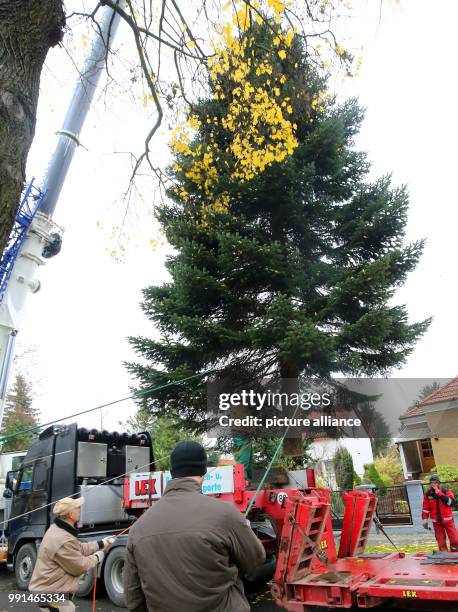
<point x="416" y="410"/>
<point x="445" y="394"/>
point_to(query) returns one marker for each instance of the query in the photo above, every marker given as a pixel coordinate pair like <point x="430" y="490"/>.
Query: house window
<point x="426" y="448"/>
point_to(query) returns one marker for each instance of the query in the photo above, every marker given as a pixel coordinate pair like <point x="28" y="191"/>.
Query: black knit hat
<point x="434" y="478"/>
<point x="188" y="459"/>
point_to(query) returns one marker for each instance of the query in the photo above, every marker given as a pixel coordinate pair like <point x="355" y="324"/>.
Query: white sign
<point x="139" y="485"/>
<point x="216" y="480"/>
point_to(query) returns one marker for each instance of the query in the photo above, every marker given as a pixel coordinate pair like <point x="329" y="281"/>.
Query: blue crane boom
<point x="35" y="237"/>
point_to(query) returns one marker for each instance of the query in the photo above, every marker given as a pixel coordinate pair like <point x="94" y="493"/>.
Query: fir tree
<point x="291" y="272"/>
<point x="427" y="390"/>
<point x="376" y="428"/>
<point x="343" y="469"/>
<point x="165" y="433"/>
<point x="19" y="414"/>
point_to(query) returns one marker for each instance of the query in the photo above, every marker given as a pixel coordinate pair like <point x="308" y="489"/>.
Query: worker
<point x="189" y="551"/>
<point x="62" y="558"/>
<point x="438" y="505"/>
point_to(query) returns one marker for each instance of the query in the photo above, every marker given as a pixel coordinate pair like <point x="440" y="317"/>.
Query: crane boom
<point x="35" y="236"/>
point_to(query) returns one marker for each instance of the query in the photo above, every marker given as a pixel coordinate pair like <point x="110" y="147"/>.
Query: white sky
<point x="89" y="303"/>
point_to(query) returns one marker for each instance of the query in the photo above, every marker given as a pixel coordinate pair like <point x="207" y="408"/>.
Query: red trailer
<point x="309" y="569"/>
<point x="351" y="577"/>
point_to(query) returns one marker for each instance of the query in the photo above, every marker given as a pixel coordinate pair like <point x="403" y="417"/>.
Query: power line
<point x="118" y="401"/>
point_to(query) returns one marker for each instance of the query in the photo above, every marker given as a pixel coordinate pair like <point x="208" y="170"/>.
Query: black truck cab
<point x="68" y="461"/>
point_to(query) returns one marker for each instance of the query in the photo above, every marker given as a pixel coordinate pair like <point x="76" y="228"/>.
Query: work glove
<point x="100" y="555"/>
<point x="108" y="541"/>
<point x="425" y="523"/>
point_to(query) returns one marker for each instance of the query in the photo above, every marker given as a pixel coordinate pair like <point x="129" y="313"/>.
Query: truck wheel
<point x="113" y="576"/>
<point x="24" y="564"/>
<point x="85" y="584"/>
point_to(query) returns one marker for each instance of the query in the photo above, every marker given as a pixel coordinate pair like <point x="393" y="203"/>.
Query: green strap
<point x="136" y="394"/>
<point x="263" y="479"/>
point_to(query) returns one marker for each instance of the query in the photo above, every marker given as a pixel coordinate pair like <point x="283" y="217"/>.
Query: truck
<point x="9" y="462"/>
<point x="116" y="474"/>
<point x="67" y="460"/>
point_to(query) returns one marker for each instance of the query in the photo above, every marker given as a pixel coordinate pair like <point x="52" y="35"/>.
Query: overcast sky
<point x="89" y="303"/>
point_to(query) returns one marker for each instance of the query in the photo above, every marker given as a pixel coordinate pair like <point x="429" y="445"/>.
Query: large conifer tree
<point x="20" y="413"/>
<point x="290" y="272"/>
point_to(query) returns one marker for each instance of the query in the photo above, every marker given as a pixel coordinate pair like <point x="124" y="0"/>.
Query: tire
<point x="86" y="584"/>
<point x="113" y="576"/>
<point x="24" y="563"/>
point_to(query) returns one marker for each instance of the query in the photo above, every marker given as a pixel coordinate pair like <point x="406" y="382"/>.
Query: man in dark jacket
<point x="438" y="506"/>
<point x="188" y="551"/>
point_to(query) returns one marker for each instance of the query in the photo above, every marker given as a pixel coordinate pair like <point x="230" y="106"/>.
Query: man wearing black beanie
<point x="188" y="551"/>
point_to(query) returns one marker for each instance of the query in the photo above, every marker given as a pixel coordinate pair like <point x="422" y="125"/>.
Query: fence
<point x="393" y="506"/>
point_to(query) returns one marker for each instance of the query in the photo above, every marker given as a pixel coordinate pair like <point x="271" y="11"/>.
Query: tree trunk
<point x="293" y="445"/>
<point x="28" y="29"/>
<point x="289" y="371"/>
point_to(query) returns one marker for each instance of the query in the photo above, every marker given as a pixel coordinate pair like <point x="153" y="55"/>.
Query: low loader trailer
<point x="308" y="577"/>
<point x="116" y="474"/>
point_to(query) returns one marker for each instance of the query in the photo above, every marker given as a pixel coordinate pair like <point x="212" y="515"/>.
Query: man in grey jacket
<point x="189" y="551"/>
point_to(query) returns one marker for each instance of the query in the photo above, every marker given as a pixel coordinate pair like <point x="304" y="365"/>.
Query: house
<point x="323" y="449"/>
<point x="429" y="432"/>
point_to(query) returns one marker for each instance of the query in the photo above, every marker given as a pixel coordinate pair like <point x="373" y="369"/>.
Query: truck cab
<point x="68" y="461"/>
<point x="9" y="463"/>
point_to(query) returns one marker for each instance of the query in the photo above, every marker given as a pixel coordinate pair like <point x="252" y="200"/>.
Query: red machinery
<point x="309" y="570"/>
<point x="352" y="577"/>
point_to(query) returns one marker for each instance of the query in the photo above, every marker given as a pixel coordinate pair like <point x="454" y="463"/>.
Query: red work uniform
<point x="438" y="508"/>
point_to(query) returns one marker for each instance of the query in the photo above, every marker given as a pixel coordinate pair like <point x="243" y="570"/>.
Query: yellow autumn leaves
<point x="258" y="121"/>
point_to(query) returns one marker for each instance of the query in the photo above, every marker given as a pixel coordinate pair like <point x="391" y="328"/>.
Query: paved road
<point x="260" y="598"/>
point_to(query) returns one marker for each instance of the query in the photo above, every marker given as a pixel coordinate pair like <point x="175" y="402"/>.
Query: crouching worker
<point x="189" y="551"/>
<point x="62" y="558"/>
<point x="438" y="505"/>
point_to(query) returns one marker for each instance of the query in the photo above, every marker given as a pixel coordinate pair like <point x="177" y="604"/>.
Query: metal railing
<point x="393" y="507"/>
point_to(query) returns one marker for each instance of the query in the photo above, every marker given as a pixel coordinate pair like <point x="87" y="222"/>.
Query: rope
<point x="118" y="401"/>
<point x="380" y="526"/>
<point x="274" y="456"/>
<point x="99" y="484"/>
<point x="94" y="590"/>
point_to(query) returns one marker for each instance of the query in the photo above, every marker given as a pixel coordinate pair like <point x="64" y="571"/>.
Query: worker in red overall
<point x="438" y="506"/>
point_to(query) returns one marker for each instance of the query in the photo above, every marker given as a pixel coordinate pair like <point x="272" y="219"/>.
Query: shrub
<point x="389" y="467"/>
<point x="371" y="476"/>
<point x="343" y="469"/>
<point x="448" y="474"/>
<point x="401" y="506"/>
